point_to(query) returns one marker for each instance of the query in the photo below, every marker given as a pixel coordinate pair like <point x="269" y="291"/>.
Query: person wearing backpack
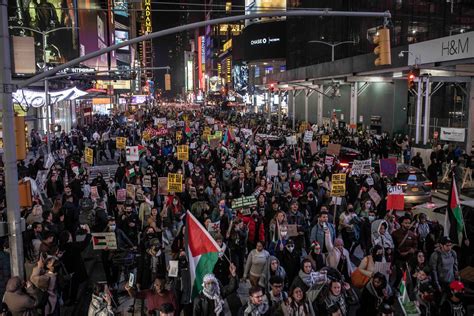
<point x="444" y="264"/>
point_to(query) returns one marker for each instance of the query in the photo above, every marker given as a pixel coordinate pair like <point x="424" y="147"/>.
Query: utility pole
<point x="9" y="156"/>
<point x="333" y="45"/>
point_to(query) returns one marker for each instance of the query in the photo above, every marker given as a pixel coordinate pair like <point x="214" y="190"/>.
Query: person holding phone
<point x="101" y="304"/>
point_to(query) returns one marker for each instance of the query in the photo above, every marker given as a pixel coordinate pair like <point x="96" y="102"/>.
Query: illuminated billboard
<point x="240" y="77"/>
<point x="120" y="37"/>
<point x="261" y="6"/>
<point x="263" y="41"/>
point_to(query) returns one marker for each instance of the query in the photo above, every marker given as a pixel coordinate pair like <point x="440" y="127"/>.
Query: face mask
<point x="378" y="258"/>
<point x="175" y="202"/>
<point x="112" y="228"/>
<point x="290" y="248"/>
<point x="371" y="218"/>
<point x="211" y="288"/>
<point x="283" y="234"/>
<point x="459" y="295"/>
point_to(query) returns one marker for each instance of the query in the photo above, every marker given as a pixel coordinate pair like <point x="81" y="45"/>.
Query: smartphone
<point x="131" y="280"/>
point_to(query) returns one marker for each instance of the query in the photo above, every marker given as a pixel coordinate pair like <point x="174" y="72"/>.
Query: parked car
<point x="346" y="155"/>
<point x="416" y="186"/>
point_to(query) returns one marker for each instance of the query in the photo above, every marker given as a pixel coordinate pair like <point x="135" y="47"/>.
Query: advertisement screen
<point x="121" y="8"/>
<point x="47" y="15"/>
<point x="240" y="78"/>
<point x="265" y="40"/>
<point x="260" y="6"/>
<point x="121" y="36"/>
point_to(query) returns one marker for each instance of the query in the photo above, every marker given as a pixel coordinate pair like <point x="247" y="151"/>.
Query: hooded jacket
<point x="384" y="240"/>
<point x="19" y="302"/>
<point x="267" y="274"/>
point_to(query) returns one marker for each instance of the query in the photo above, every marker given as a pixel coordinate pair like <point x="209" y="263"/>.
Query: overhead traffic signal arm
<point x="382" y="50"/>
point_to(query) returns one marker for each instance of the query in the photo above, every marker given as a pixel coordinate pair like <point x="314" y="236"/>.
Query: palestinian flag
<point x="99" y="241"/>
<point x="130" y="172"/>
<point x="453" y="220"/>
<point x="187" y="130"/>
<point x="202" y="251"/>
<point x="403" y="289"/>
<point x="141" y="150"/>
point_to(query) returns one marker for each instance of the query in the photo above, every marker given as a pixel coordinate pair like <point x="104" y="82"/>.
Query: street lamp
<point x="333" y="45"/>
<point x="49" y="107"/>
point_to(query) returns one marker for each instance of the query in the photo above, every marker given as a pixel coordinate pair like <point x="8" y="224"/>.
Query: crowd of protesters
<point x="344" y="257"/>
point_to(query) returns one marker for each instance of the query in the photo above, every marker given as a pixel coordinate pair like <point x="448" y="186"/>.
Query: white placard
<point x="170" y="124"/>
<point x="453" y="134"/>
<point x="272" y="168"/>
<point x="131" y="153"/>
<point x="394" y="190"/>
<point x="291" y="140"/>
<point x="247" y="132"/>
<point x="362" y="167"/>
<point x="308" y="137"/>
<point x="329" y="160"/>
<point x="173" y="270"/>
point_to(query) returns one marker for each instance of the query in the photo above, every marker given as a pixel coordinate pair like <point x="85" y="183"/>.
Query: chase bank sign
<point x="264" y="41"/>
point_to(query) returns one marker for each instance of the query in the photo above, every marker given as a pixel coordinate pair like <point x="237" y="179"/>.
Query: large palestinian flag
<point x="202" y="251"/>
<point x="454" y="222"/>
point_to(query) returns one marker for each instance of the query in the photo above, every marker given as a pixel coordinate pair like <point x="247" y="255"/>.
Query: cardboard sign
<point x="329" y="160"/>
<point x="183" y="152"/>
<point x="218" y="135"/>
<point x="175" y="182"/>
<point x="130" y="191"/>
<point x="160" y="120"/>
<point x="214" y="142"/>
<point x="120" y="142"/>
<point x="94" y="193"/>
<point x="388" y="167"/>
<point x="394" y="190"/>
<point x="147" y="181"/>
<point x="244" y="202"/>
<point x="174" y="268"/>
<point x="121" y="195"/>
<point x="292" y="230"/>
<point x="362" y="167"/>
<point x="272" y="168"/>
<point x="375" y="196"/>
<point x="291" y="140"/>
<point x="89" y="155"/>
<point x="333" y="149"/>
<point x="132" y="153"/>
<point x="314" y="148"/>
<point x="179" y="135"/>
<point x="163" y="186"/>
<point x="325" y="139"/>
<point x="308" y="137"/>
<point x="104" y="241"/>
<point x="338" y="186"/>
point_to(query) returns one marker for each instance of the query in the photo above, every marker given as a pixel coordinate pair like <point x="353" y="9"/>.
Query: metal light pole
<point x="333" y="45"/>
<point x="9" y="157"/>
<point x="50" y="118"/>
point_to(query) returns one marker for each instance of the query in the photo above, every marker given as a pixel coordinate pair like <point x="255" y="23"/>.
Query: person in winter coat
<point x="381" y="236"/>
<point x="297" y="304"/>
<point x="221" y="268"/>
<point x="19" y="299"/>
<point x="272" y="268"/>
<point x="256" y="261"/>
<point x="256" y="230"/>
<point x="211" y="301"/>
<point x="289" y="258"/>
<point x="101" y="304"/>
<point x="444" y="264"/>
<point x="318" y="233"/>
<point x="257" y="304"/>
<point x="317" y="259"/>
<point x="375" y="293"/>
<point x="339" y="259"/>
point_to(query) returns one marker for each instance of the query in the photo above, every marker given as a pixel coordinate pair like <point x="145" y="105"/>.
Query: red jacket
<point x="252" y="227"/>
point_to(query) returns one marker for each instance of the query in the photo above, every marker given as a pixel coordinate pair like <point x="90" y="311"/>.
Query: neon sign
<point x="147" y="4"/>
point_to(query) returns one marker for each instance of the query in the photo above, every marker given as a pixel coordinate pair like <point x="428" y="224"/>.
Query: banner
<point x="244" y="202"/>
<point x="395" y="198"/>
<point x="183" y="152"/>
<point x="329" y="160"/>
<point x="333" y="149"/>
<point x="132" y="153"/>
<point x="175" y="182"/>
<point x="147" y="181"/>
<point x="291" y="140"/>
<point x="120" y="142"/>
<point x="104" y="241"/>
<point x="89" y="155"/>
<point x="130" y="191"/>
<point x="362" y="167"/>
<point x="338" y="187"/>
<point x="308" y="137"/>
<point x="388" y="167"/>
<point x="453" y="134"/>
<point x="121" y="195"/>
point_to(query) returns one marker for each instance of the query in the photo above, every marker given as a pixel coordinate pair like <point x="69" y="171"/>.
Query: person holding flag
<point x="453" y="221"/>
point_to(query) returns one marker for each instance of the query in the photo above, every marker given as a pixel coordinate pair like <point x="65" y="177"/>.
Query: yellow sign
<point x="175" y="182"/>
<point x="89" y="155"/>
<point x="338" y="186"/>
<point x="121" y="142"/>
<point x="183" y="152"/>
<point x="147" y="5"/>
<point x="227" y="45"/>
<point x="206" y="133"/>
<point x="218" y="135"/>
<point x="325" y="139"/>
<point x="179" y="135"/>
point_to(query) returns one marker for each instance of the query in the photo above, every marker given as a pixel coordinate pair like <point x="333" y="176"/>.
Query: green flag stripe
<point x="458" y="215"/>
<point x="204" y="266"/>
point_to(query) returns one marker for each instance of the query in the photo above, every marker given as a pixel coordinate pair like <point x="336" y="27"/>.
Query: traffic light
<point x="167" y="82"/>
<point x="382" y="40"/>
<point x="412" y="75"/>
<point x="20" y="137"/>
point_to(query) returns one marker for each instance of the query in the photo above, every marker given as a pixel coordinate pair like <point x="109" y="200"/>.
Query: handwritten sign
<point x="362" y="167"/>
<point x="183" y="152"/>
<point x="308" y="137"/>
<point x="89" y="155"/>
<point x="132" y="153"/>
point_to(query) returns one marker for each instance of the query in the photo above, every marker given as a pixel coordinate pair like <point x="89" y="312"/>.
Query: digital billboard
<point x="240" y="77"/>
<point x="263" y="41"/>
<point x="120" y="37"/>
<point x="260" y="6"/>
<point x="47" y="15"/>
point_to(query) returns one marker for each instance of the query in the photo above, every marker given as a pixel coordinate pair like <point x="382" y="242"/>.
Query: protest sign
<point x="160" y="120"/>
<point x="170" y="124"/>
<point x="214" y="228"/>
<point x="104" y="241"/>
<point x="41" y="178"/>
<point x="132" y="153"/>
<point x="89" y="155"/>
<point x="147" y="181"/>
<point x="291" y="140"/>
<point x="163" y="186"/>
<point x="325" y="139"/>
<point x="308" y="137"/>
<point x="121" y="195"/>
<point x="130" y="191"/>
<point x="388" y="167"/>
<point x="94" y="193"/>
<point x="362" y="167"/>
<point x="314" y="147"/>
<point x="395" y="198"/>
<point x="247" y="132"/>
<point x="374" y="195"/>
<point x="244" y="202"/>
<point x="173" y="269"/>
<point x="175" y="182"/>
<point x="183" y="152"/>
<point x="179" y="135"/>
<point x="292" y="230"/>
<point x="338" y="186"/>
<point x="213" y="142"/>
<point x="333" y="149"/>
<point x="329" y="160"/>
<point x="120" y="142"/>
<point x="272" y="168"/>
<point x="259" y="168"/>
<point x="218" y="135"/>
